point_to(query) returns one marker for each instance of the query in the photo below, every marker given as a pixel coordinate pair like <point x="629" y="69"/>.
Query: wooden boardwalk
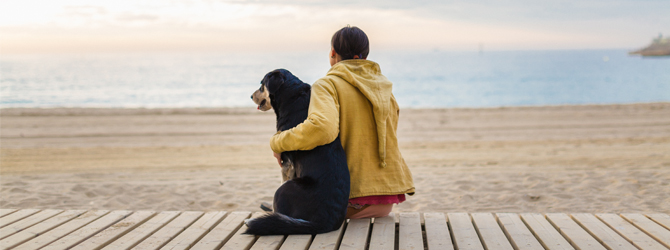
<point x="81" y="229"/>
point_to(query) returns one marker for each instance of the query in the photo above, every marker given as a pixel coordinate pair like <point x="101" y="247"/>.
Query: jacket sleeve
<point x="321" y="127"/>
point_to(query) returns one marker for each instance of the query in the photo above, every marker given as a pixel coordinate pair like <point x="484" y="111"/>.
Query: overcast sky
<point x="35" y="26"/>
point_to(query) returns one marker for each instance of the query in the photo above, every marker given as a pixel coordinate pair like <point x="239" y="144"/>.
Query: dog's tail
<point x="279" y="224"/>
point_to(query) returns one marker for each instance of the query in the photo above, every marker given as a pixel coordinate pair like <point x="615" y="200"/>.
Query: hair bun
<point x="349" y="42"/>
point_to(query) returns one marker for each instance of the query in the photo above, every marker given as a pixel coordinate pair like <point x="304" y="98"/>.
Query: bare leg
<point x="369" y="211"/>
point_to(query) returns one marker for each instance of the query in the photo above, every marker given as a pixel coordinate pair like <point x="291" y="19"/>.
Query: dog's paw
<point x="267" y="207"/>
<point x="247" y="221"/>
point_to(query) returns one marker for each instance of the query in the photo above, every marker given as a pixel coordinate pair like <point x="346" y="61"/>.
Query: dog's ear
<point x="274" y="80"/>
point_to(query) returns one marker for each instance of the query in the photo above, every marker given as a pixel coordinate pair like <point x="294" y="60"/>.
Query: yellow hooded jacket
<point x="355" y="101"/>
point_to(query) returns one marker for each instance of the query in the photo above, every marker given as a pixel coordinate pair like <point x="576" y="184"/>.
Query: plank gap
<point x="507" y="235"/>
<point x="6" y="211"/>
<point x="629" y="231"/>
<point x="424" y="237"/>
<point x="396" y="237"/>
<point x="121" y="234"/>
<point x="210" y="229"/>
<point x="28" y="222"/>
<point x="223" y="231"/>
<point x="451" y="232"/>
<point x="602" y="232"/>
<point x="518" y="232"/>
<point x="39" y="229"/>
<point x="548" y="236"/>
<point x="562" y="232"/>
<point x="649" y="227"/>
<point x="180" y="228"/>
<point x="339" y="240"/>
<point x="661" y="219"/>
<point x="587" y="230"/>
<point x="95" y="227"/>
<point x="367" y="241"/>
<point x="323" y="241"/>
<point x="170" y="215"/>
<point x="479" y="234"/>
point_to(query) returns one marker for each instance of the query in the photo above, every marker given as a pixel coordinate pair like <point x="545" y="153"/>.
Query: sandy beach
<point x="592" y="158"/>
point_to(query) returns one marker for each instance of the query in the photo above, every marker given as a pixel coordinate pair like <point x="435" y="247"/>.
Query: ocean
<point x="429" y="79"/>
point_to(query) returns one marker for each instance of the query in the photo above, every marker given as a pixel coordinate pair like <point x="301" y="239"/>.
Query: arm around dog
<point x="321" y="127"/>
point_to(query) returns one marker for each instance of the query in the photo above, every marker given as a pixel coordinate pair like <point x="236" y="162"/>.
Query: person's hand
<point x="278" y="156"/>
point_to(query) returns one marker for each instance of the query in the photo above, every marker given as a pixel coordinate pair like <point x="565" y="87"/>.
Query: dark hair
<point x="350" y="41"/>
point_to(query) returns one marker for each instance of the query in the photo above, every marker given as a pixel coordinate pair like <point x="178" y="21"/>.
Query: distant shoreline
<point x="76" y="111"/>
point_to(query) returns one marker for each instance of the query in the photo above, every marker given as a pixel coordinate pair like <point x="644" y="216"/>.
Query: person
<point x="354" y="100"/>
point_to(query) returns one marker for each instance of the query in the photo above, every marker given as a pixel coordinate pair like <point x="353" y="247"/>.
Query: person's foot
<point x="266" y="206"/>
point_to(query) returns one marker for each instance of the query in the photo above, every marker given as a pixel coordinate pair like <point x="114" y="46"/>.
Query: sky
<point x="87" y="26"/>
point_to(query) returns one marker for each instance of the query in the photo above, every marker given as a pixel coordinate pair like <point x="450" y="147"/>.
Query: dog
<point x="314" y="196"/>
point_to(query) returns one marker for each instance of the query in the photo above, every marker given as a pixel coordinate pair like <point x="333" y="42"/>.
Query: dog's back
<point x="316" y="200"/>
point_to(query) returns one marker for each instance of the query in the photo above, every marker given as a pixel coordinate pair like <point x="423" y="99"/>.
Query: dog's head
<point x="272" y="82"/>
<point x="262" y="98"/>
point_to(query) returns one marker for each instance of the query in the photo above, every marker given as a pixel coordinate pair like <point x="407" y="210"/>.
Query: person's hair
<point x="351" y="41"/>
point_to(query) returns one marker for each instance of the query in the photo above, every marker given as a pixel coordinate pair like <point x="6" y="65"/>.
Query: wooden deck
<point x="80" y="229"/>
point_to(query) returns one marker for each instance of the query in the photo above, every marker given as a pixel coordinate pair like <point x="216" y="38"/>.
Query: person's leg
<point x="369" y="211"/>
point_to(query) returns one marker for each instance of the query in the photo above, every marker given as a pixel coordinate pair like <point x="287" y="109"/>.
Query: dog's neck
<point x="291" y="110"/>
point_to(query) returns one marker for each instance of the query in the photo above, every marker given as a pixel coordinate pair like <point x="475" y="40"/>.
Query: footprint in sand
<point x="79" y="188"/>
<point x="18" y="190"/>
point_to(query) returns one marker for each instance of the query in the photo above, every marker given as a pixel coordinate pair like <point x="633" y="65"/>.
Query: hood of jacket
<point x="366" y="76"/>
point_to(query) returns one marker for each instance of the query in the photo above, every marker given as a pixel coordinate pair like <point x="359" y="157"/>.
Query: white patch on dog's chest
<point x="287" y="170"/>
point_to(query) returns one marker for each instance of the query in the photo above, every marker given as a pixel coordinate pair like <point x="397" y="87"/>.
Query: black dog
<point x="314" y="199"/>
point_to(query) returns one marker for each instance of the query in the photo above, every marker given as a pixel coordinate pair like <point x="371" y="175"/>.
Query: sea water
<point x="421" y="79"/>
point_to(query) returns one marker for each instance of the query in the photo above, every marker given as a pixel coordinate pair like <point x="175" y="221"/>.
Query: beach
<point x="582" y="158"/>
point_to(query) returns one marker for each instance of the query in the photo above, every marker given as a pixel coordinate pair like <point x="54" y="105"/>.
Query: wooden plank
<point x="661" y="219"/>
<point x="6" y="211"/>
<point x="409" y="233"/>
<point x="143" y="231"/>
<point x="383" y="233"/>
<point x="465" y="235"/>
<point x="356" y="235"/>
<point x="222" y="232"/>
<point x="437" y="231"/>
<point x="39" y="229"/>
<point x="490" y="232"/>
<point x="630" y="232"/>
<point x="63" y="230"/>
<point x="650" y="227"/>
<point x="574" y="233"/>
<point x="89" y="230"/>
<point x="241" y="241"/>
<point x="548" y="236"/>
<point x="268" y="242"/>
<point x="117" y="230"/>
<point x="28" y="222"/>
<point x="297" y="242"/>
<point x="16" y="216"/>
<point x="169" y="231"/>
<point x="517" y="233"/>
<point x="603" y="233"/>
<point x="196" y="231"/>
<point x="328" y="241"/>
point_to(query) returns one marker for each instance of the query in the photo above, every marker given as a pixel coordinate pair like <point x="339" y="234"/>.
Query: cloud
<point x="84" y="10"/>
<point x="65" y="25"/>
<point x="128" y="17"/>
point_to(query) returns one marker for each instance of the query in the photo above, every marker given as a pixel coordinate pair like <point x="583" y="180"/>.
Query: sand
<point x="594" y="158"/>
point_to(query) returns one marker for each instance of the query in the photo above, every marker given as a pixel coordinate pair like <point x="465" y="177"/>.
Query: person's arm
<point x="321" y="127"/>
